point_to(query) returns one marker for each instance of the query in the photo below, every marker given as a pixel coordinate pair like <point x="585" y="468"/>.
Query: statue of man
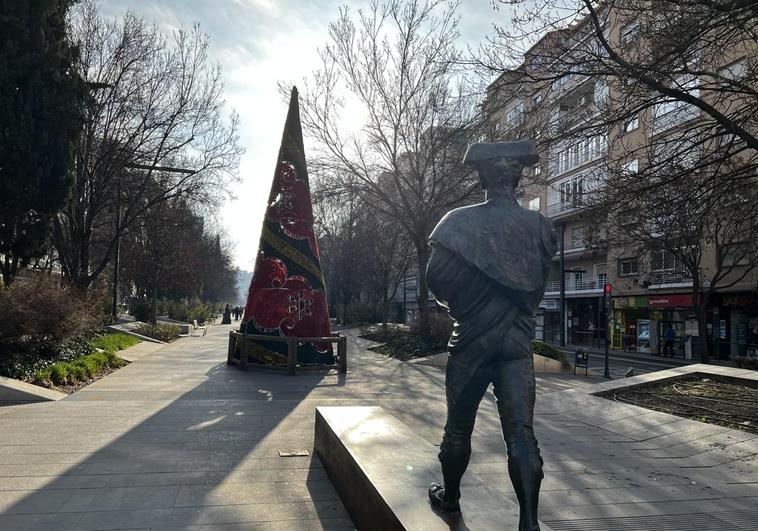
<point x="489" y="267"/>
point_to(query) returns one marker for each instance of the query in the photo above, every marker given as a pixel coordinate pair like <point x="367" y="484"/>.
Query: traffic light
<point x="607" y="291"/>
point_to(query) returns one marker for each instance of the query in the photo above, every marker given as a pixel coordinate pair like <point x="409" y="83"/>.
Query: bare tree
<point x="397" y="61"/>
<point x="154" y="132"/>
<point x="363" y="252"/>
<point x="683" y="73"/>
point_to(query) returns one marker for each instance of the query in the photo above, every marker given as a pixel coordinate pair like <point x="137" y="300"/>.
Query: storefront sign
<point x="629" y="302"/>
<point x="669" y="301"/>
<point x="737" y="300"/>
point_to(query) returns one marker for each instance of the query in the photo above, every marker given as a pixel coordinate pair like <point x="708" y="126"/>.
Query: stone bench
<point x="381" y="469"/>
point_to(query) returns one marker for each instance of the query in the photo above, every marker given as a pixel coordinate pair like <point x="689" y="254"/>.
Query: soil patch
<point x="729" y="402"/>
<point x="401" y="343"/>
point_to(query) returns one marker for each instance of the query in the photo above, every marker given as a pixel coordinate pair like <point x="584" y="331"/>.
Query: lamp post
<point x="562" y="303"/>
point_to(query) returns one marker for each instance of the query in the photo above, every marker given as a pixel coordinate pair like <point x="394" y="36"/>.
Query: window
<point x="628" y="217"/>
<point x="578" y="280"/>
<point x="515" y="114"/>
<point x="662" y="260"/>
<point x="536" y="99"/>
<point x="580" y="153"/>
<point x="534" y="204"/>
<point x="577" y="238"/>
<point x="735" y="254"/>
<point x="631" y="125"/>
<point x="630" y="31"/>
<point x="602" y="280"/>
<point x="735" y="71"/>
<point x="537" y="170"/>
<point x="631" y="167"/>
<point x="601" y="93"/>
<point x="627" y="267"/>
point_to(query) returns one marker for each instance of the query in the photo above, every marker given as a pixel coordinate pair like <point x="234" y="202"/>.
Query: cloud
<point x="259" y="43"/>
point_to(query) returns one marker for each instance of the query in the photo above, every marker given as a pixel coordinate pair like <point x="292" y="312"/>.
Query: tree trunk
<point x="422" y="258"/>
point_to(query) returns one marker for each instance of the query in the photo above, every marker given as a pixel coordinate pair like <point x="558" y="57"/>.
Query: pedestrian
<point x="227" y="317"/>
<point x="669" y="337"/>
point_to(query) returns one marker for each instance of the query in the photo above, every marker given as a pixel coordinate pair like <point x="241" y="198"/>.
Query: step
<point x="381" y="469"/>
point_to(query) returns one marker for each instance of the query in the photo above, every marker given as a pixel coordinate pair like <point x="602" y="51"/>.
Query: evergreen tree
<point x="40" y="102"/>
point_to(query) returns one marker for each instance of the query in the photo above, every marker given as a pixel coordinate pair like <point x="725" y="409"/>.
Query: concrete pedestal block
<point x="381" y="470"/>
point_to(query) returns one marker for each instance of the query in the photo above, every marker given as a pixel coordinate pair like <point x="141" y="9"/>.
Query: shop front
<point x="738" y="323"/>
<point x="626" y="312"/>
<point x="673" y="310"/>
<point x="583" y="321"/>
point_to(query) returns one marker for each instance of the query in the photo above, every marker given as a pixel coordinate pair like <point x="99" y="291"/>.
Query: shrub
<point x="43" y="309"/>
<point x="543" y="349"/>
<point x="363" y="312"/>
<point x="142" y="311"/>
<point x="746" y="363"/>
<point x="440" y="328"/>
<point x="161" y="332"/>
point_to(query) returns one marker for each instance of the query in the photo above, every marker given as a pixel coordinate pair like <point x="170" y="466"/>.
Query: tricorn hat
<point x="524" y="151"/>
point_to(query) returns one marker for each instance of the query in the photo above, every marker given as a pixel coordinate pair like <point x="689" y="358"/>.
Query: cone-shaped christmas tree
<point x="287" y="296"/>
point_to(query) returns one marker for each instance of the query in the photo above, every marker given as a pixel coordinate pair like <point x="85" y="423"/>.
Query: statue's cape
<point x="509" y="244"/>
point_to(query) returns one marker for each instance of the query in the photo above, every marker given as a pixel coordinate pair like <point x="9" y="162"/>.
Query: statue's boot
<point x="525" y="470"/>
<point x="455" y="452"/>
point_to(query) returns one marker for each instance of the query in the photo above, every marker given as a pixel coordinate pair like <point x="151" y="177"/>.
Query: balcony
<point x="559" y="209"/>
<point x="669" y="279"/>
<point x="578" y="287"/>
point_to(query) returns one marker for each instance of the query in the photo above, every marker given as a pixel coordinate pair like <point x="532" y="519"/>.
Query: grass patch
<point x="72" y="374"/>
<point x="161" y="332"/>
<point x="76" y="372"/>
<point x="114" y="342"/>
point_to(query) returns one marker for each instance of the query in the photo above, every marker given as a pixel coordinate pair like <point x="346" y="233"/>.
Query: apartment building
<point x="650" y="293"/>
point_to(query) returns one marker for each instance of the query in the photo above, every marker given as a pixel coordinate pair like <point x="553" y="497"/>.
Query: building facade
<point x="651" y="293"/>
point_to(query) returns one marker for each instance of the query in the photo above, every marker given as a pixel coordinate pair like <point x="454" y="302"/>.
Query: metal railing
<point x="597" y="283"/>
<point x="557" y="209"/>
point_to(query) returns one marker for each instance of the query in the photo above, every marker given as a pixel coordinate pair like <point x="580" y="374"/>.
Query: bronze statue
<point x="489" y="267"/>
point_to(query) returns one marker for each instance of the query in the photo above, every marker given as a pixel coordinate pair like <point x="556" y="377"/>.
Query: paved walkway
<point x="179" y="440"/>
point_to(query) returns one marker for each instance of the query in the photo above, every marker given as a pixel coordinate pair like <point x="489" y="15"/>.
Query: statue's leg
<point x="514" y="389"/>
<point x="455" y="450"/>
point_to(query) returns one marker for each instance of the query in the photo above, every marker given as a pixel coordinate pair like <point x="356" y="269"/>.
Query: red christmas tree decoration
<point x="287" y="296"/>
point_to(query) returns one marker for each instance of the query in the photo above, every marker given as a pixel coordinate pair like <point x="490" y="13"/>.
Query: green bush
<point x="543" y="349"/>
<point x="746" y="363"/>
<point x="161" y="332"/>
<point x="114" y="342"/>
<point x="142" y="311"/>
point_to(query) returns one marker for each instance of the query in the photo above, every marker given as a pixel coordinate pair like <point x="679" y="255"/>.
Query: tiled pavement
<point x="179" y="440"/>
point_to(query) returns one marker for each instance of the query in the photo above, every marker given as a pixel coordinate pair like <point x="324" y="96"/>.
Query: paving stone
<point x="180" y="426"/>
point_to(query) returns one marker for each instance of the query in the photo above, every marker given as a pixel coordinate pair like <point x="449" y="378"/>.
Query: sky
<point x="260" y="43"/>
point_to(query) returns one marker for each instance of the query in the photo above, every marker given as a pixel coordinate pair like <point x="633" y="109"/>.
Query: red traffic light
<point x="608" y="289"/>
